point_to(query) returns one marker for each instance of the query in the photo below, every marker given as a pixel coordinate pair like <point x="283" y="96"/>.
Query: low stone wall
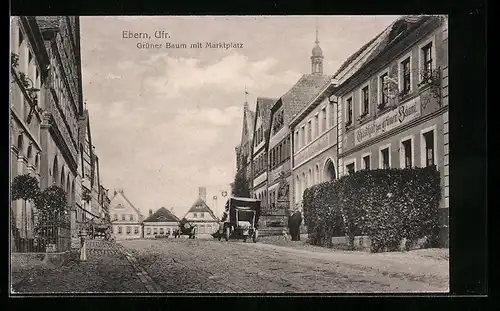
<point x="363" y="243"/>
<point x="19" y="260"/>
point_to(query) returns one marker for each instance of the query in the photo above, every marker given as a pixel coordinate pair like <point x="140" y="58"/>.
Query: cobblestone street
<point x="106" y="270"/>
<point x="212" y="266"/>
<point x="197" y="266"/>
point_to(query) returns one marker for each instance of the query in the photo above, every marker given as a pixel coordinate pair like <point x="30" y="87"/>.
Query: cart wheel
<point x="227" y="233"/>
<point x="255" y="236"/>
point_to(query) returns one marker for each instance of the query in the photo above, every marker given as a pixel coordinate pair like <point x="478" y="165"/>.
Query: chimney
<point x="202" y="193"/>
<point x="150" y="212"/>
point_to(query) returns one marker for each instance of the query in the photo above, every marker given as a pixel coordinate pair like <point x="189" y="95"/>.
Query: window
<point x="119" y="229"/>
<point x="115" y="217"/>
<point x="131" y="217"/>
<point x="21" y="37"/>
<point x="162" y="231"/>
<point x="383" y="94"/>
<point x="317" y="174"/>
<point x="407" y="153"/>
<point x="385" y="161"/>
<point x="155" y="231"/>
<point x="350" y="168"/>
<point x="309" y="131"/>
<point x="349" y="111"/>
<point x="429" y="150"/>
<point x="427" y="58"/>
<point x="280" y="154"/>
<point x="303" y="136"/>
<point x="123" y="217"/>
<point x="136" y="230"/>
<point x="323" y="122"/>
<point x="366" y="162"/>
<point x="148" y="231"/>
<point x="365" y="101"/>
<point x="202" y="215"/>
<point x="129" y="230"/>
<point x="195" y="215"/>
<point x="316" y="125"/>
<point x="406" y="79"/>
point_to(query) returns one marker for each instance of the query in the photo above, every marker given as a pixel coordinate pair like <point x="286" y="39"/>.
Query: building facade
<point x="314" y="145"/>
<point x="393" y="102"/>
<point x="161" y="223"/>
<point x="46" y="97"/>
<point x="104" y="202"/>
<point x="28" y="81"/>
<point x="126" y="219"/>
<point x="201" y="216"/>
<point x="259" y="152"/>
<point x="280" y="149"/>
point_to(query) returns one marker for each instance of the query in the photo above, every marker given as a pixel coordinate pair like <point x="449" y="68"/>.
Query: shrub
<point x="387" y="205"/>
<point x="24" y="187"/>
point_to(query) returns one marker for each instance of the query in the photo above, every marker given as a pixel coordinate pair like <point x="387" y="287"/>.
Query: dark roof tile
<point x="162" y="215"/>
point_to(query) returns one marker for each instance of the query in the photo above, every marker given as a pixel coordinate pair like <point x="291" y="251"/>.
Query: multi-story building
<point x="393" y="102"/>
<point x="104" y="202"/>
<point x="201" y="216"/>
<point x="283" y="112"/>
<point x="160" y="223"/>
<point x="259" y="150"/>
<point x="89" y="171"/>
<point x="28" y="87"/>
<point x="126" y="219"/>
<point x="314" y="144"/>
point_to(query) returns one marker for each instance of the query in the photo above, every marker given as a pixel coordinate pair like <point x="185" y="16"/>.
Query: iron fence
<point x="52" y="236"/>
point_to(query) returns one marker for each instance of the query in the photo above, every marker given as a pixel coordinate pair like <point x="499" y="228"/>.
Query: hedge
<point x="387" y="205"/>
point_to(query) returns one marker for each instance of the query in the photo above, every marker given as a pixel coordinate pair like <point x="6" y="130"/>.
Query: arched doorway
<point x="329" y="171"/>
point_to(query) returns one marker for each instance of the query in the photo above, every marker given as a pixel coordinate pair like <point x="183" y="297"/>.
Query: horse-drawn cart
<point x="240" y="220"/>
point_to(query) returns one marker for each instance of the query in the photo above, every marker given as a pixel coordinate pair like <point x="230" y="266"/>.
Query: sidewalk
<point x="431" y="265"/>
<point x="107" y="270"/>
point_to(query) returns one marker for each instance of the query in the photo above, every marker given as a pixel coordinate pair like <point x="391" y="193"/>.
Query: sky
<point x="165" y="121"/>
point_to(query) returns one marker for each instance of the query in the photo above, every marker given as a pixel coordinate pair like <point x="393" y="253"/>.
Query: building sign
<point x="391" y="120"/>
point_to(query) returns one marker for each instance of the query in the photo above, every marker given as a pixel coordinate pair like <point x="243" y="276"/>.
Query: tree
<point x="240" y="187"/>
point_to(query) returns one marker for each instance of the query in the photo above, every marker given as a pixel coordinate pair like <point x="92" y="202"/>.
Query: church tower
<point x="317" y="56"/>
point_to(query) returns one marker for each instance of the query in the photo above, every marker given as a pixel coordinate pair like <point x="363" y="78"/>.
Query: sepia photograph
<point x="229" y="154"/>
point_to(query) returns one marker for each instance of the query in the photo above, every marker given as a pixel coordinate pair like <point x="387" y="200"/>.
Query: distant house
<point x="125" y="217"/>
<point x="201" y="216"/>
<point x="160" y="223"/>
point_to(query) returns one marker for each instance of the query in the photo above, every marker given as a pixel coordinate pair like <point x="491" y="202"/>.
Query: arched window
<point x="37" y="159"/>
<point x="55" y="171"/>
<point x="61" y="184"/>
<point x="20" y="144"/>
<point x="318" y="178"/>
<point x="310" y="178"/>
<point x="73" y="192"/>
<point x="329" y="171"/>
<point x="304" y="183"/>
<point x="68" y="190"/>
<point x="297" y="189"/>
<point x="29" y="153"/>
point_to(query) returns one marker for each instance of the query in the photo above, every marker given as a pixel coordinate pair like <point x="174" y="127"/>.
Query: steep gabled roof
<point x="128" y="201"/>
<point x="162" y="215"/>
<point x="392" y="34"/>
<point x="301" y="94"/>
<point x="200" y="206"/>
<point x="264" y="104"/>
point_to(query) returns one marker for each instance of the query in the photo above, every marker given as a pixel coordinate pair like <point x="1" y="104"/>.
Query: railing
<point x="49" y="236"/>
